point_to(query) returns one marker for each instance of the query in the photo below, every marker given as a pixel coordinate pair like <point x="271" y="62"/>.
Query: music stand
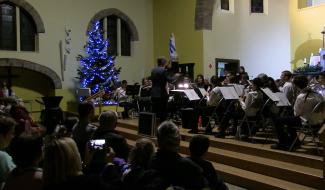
<point x="132" y="90"/>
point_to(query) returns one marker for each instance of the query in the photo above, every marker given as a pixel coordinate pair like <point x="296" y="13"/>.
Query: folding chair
<point x="252" y="121"/>
<point x="214" y="114"/>
<point x="311" y="126"/>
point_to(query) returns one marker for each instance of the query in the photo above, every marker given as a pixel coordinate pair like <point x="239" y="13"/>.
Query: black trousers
<point x="287" y="135"/>
<point x="159" y="107"/>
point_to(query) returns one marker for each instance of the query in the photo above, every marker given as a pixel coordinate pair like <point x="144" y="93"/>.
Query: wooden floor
<point x="250" y="165"/>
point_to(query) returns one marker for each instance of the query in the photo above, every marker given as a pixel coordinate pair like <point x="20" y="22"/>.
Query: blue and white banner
<point x="172" y="48"/>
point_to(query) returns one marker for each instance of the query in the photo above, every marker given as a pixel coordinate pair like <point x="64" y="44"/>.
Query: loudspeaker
<point x="147" y="124"/>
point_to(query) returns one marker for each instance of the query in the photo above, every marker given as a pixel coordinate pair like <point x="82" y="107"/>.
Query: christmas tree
<point x="97" y="69"/>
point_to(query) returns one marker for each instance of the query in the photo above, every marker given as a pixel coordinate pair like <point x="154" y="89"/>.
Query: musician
<point x="199" y="82"/>
<point x="321" y="84"/>
<point x="207" y="107"/>
<point x="145" y="95"/>
<point x="159" y="95"/>
<point x="249" y="105"/>
<point x="287" y="88"/>
<point x="120" y="95"/>
<point x="303" y="106"/>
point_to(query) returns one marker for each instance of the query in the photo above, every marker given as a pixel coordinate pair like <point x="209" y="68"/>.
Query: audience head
<point x="141" y="153"/>
<point x="86" y="110"/>
<point x="300" y="81"/>
<point x="108" y="120"/>
<point x="7" y="131"/>
<point x="27" y="150"/>
<point x="161" y="61"/>
<point x="286" y="75"/>
<point x="168" y="137"/>
<point x="199" y="145"/>
<point x="61" y="160"/>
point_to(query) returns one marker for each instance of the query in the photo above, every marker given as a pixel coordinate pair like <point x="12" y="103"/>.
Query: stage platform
<point x="250" y="165"/>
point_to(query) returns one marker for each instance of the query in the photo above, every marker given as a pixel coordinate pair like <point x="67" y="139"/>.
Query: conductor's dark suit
<point x="159" y="95"/>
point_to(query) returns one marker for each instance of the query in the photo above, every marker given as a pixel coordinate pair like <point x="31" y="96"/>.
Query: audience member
<point x="83" y="129"/>
<point x="7" y="128"/>
<point x="174" y="169"/>
<point x="63" y="167"/>
<point x="199" y="145"/>
<point x="27" y="153"/>
<point x="139" y="159"/>
<point x="106" y="130"/>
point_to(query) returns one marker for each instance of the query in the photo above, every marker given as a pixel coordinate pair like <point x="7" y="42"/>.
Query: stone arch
<point x="31" y="10"/>
<point x="203" y="14"/>
<point x="112" y="11"/>
<point x="19" y="63"/>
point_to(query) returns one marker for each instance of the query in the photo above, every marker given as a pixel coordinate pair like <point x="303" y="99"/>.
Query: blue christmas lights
<point x="97" y="68"/>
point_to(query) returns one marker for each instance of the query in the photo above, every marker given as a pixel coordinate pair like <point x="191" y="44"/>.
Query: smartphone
<point x="97" y="144"/>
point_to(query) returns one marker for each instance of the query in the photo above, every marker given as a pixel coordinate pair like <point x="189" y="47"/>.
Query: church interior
<point x="55" y="56"/>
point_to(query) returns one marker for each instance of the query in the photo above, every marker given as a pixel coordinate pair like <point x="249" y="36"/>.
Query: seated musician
<point x="303" y="106"/>
<point x="249" y="105"/>
<point x="199" y="82"/>
<point x="213" y="97"/>
<point x="320" y="86"/>
<point x="122" y="98"/>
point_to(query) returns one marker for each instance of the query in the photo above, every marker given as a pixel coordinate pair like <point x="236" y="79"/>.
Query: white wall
<point x="76" y="14"/>
<point x="261" y="42"/>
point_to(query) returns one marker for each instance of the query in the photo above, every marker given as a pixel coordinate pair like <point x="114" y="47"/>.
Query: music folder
<point x="229" y="93"/>
<point x="283" y="100"/>
<point x="270" y="94"/>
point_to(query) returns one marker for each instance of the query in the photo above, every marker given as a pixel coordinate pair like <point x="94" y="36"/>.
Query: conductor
<point x="159" y="94"/>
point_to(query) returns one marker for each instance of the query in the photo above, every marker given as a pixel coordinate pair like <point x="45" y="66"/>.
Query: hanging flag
<point x="172" y="48"/>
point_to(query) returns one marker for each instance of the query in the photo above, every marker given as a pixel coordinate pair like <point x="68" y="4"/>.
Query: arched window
<point x="119" y="29"/>
<point x="118" y="35"/>
<point x="12" y="18"/>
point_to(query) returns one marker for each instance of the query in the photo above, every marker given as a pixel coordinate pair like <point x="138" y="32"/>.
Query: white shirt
<point x="289" y="90"/>
<point x="303" y="106"/>
<point x="120" y="93"/>
<point x="214" y="96"/>
<point x="253" y="103"/>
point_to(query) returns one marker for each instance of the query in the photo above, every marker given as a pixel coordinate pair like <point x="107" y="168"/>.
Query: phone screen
<point x="97" y="143"/>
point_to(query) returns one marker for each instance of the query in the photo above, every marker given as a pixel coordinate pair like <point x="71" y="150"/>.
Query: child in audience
<point x="7" y="130"/>
<point x="27" y="153"/>
<point x="199" y="145"/>
<point x="139" y="159"/>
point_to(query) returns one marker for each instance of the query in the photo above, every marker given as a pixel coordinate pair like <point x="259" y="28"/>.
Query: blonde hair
<point x="61" y="160"/>
<point x="141" y="153"/>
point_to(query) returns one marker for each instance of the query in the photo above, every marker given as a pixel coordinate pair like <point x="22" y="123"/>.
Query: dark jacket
<point x="178" y="171"/>
<point x="215" y="182"/>
<point x="159" y="78"/>
<point x="114" y="140"/>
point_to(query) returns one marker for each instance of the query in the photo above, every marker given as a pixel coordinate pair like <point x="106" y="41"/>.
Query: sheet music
<point x="229" y="93"/>
<point x="283" y="100"/>
<point x="239" y="89"/>
<point x="271" y="94"/>
<point x="191" y="94"/>
<point x="203" y="91"/>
